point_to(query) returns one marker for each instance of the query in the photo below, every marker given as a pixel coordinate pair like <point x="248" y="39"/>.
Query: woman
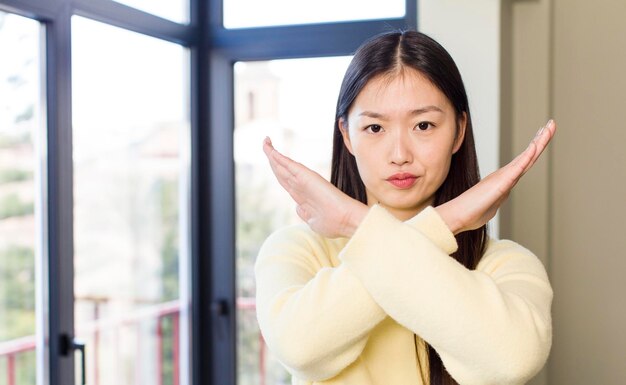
<point x="393" y="279"/>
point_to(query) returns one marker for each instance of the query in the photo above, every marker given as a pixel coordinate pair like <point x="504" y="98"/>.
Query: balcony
<point x="162" y="319"/>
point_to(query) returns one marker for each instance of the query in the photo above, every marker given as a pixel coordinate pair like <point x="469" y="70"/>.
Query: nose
<point x="401" y="152"/>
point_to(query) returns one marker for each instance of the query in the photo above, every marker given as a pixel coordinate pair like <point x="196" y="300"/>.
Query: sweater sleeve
<point x="491" y="325"/>
<point x="315" y="318"/>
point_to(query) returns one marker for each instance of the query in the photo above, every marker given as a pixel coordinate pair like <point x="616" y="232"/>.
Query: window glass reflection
<point x="130" y="154"/>
<point x="264" y="13"/>
<point x="20" y="115"/>
<point x="284" y="100"/>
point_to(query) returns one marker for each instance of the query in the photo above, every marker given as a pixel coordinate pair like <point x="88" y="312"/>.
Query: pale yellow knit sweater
<point x="343" y="311"/>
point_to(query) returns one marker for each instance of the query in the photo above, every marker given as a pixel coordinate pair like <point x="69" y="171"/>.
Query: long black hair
<point x="385" y="54"/>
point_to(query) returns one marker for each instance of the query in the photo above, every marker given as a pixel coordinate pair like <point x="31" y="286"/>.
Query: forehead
<point x="403" y="90"/>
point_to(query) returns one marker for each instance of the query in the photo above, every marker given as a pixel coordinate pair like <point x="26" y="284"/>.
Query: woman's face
<point x="402" y="130"/>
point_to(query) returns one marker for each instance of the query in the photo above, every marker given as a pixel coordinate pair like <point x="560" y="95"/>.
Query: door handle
<point x="68" y="346"/>
<point x="80" y="346"/>
<point x="219" y="307"/>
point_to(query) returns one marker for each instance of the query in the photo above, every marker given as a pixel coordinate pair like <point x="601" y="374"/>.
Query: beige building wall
<point x="564" y="59"/>
<point x="567" y="59"/>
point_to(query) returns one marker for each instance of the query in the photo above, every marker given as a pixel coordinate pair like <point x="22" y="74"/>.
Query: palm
<point x="479" y="204"/>
<point x="331" y="213"/>
<point x="326" y="209"/>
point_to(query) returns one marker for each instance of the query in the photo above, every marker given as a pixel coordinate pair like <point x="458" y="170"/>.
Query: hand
<point x="479" y="204"/>
<point x="326" y="209"/>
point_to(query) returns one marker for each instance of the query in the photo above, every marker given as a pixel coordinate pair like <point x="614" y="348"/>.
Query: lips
<point x="402" y="180"/>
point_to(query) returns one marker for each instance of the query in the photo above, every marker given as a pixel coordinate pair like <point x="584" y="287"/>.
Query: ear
<point x="343" y="127"/>
<point x="460" y="135"/>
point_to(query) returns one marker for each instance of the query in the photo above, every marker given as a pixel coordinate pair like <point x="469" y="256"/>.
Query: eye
<point x="423" y="126"/>
<point x="374" y="128"/>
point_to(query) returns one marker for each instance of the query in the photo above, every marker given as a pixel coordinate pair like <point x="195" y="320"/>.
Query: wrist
<point x="448" y="218"/>
<point x="357" y="214"/>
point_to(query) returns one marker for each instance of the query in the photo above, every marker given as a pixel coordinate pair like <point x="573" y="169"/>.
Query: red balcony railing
<point x="10" y="350"/>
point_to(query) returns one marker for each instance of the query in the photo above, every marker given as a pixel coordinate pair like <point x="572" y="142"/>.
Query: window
<point x="264" y="13"/>
<point x="130" y="174"/>
<point x="299" y="123"/>
<point x="129" y="209"/>
<point x="20" y="196"/>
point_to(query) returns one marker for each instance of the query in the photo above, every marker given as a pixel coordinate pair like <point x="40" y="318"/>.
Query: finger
<point x="524" y="161"/>
<point x="521" y="162"/>
<point x="543" y="137"/>
<point x="278" y="164"/>
<point x="273" y="155"/>
<point x="303" y="213"/>
<point x="267" y="146"/>
<point x="507" y="177"/>
<point x="281" y="174"/>
<point x="286" y="178"/>
<point x="541" y="140"/>
<point x="291" y="165"/>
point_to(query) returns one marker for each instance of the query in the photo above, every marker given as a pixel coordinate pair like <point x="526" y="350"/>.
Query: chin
<point x="408" y="203"/>
<point x="405" y="206"/>
<point x="403" y="200"/>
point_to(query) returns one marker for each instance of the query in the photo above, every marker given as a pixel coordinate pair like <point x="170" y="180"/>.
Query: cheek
<point x="365" y="164"/>
<point x="437" y="159"/>
<point x="369" y="164"/>
<point x="363" y="154"/>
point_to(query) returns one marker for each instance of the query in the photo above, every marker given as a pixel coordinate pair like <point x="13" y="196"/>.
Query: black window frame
<point x="213" y="51"/>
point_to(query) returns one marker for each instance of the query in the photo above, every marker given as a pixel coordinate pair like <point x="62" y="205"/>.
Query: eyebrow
<point x="418" y="111"/>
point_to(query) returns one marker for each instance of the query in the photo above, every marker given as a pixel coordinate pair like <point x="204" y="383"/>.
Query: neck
<point x="404" y="214"/>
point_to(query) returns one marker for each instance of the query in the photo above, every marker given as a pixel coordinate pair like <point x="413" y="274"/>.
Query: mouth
<point x="402" y="180"/>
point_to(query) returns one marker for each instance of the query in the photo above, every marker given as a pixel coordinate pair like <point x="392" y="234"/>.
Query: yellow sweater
<point x="343" y="311"/>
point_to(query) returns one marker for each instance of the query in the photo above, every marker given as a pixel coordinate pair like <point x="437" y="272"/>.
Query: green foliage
<point x="167" y="325"/>
<point x="248" y="346"/>
<point x="17" y="306"/>
<point x="257" y="216"/>
<point x="168" y="190"/>
<point x="26" y="115"/>
<point x="17" y="292"/>
<point x="7" y="141"/>
<point x="26" y="372"/>
<point x="15" y="175"/>
<point x="24" y="366"/>
<point x="12" y="206"/>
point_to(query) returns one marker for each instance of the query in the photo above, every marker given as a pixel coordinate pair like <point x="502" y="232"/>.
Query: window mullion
<point x="314" y="40"/>
<point x="60" y="196"/>
<point x="123" y="16"/>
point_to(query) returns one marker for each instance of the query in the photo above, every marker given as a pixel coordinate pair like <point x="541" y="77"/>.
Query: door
<point x="131" y="204"/>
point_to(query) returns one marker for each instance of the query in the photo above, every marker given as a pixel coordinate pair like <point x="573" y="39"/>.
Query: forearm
<point x="482" y="328"/>
<point x="446" y="214"/>
<point x="316" y="321"/>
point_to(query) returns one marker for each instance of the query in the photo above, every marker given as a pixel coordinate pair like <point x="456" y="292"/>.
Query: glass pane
<point x="20" y="122"/>
<point x="297" y="112"/>
<point x="175" y="10"/>
<point x="263" y="13"/>
<point x="131" y="140"/>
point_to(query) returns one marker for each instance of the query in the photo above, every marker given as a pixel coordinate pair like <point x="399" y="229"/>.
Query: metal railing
<point x="10" y="350"/>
